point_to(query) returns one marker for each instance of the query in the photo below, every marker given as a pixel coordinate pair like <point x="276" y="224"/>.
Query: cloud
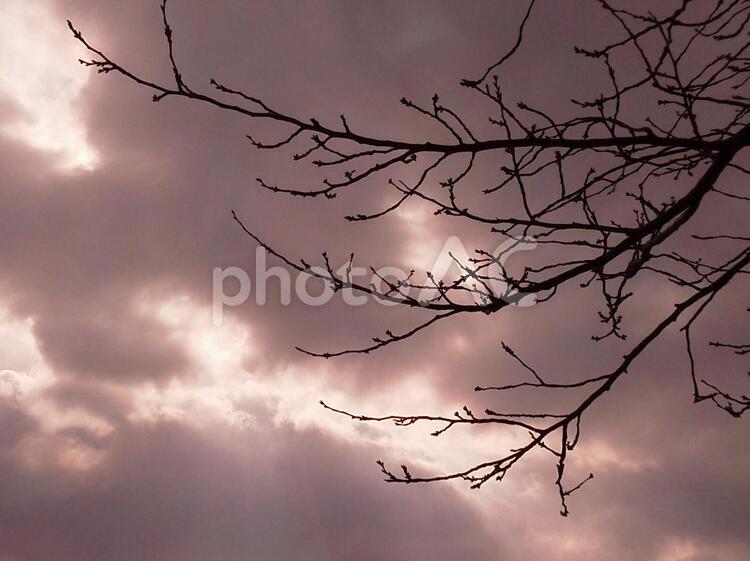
<point x="41" y="81"/>
<point x="131" y="428"/>
<point x="195" y="481"/>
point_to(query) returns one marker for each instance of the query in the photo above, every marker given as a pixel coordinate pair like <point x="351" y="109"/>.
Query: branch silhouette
<point x="690" y="141"/>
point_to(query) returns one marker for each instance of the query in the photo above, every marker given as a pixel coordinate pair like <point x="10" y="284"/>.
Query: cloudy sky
<point x="132" y="428"/>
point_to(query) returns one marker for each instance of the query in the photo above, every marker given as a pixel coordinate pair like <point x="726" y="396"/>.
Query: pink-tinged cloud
<point x="133" y="428"/>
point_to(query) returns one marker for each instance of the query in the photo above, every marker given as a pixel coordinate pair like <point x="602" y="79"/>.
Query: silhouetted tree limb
<point x="693" y="63"/>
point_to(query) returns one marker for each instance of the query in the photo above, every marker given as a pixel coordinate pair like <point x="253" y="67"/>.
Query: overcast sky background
<point x="132" y="429"/>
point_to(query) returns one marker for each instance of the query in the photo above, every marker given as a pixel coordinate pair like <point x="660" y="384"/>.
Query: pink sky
<point x="131" y="428"/>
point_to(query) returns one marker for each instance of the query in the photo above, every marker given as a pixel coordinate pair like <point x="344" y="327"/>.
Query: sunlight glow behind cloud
<point x="41" y="80"/>
<point x="222" y="390"/>
<point x="63" y="435"/>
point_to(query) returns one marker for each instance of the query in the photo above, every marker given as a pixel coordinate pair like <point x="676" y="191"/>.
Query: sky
<point x="132" y="427"/>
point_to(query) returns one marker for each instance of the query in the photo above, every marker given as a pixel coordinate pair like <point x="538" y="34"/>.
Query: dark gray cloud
<point x="169" y="493"/>
<point x="86" y="256"/>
